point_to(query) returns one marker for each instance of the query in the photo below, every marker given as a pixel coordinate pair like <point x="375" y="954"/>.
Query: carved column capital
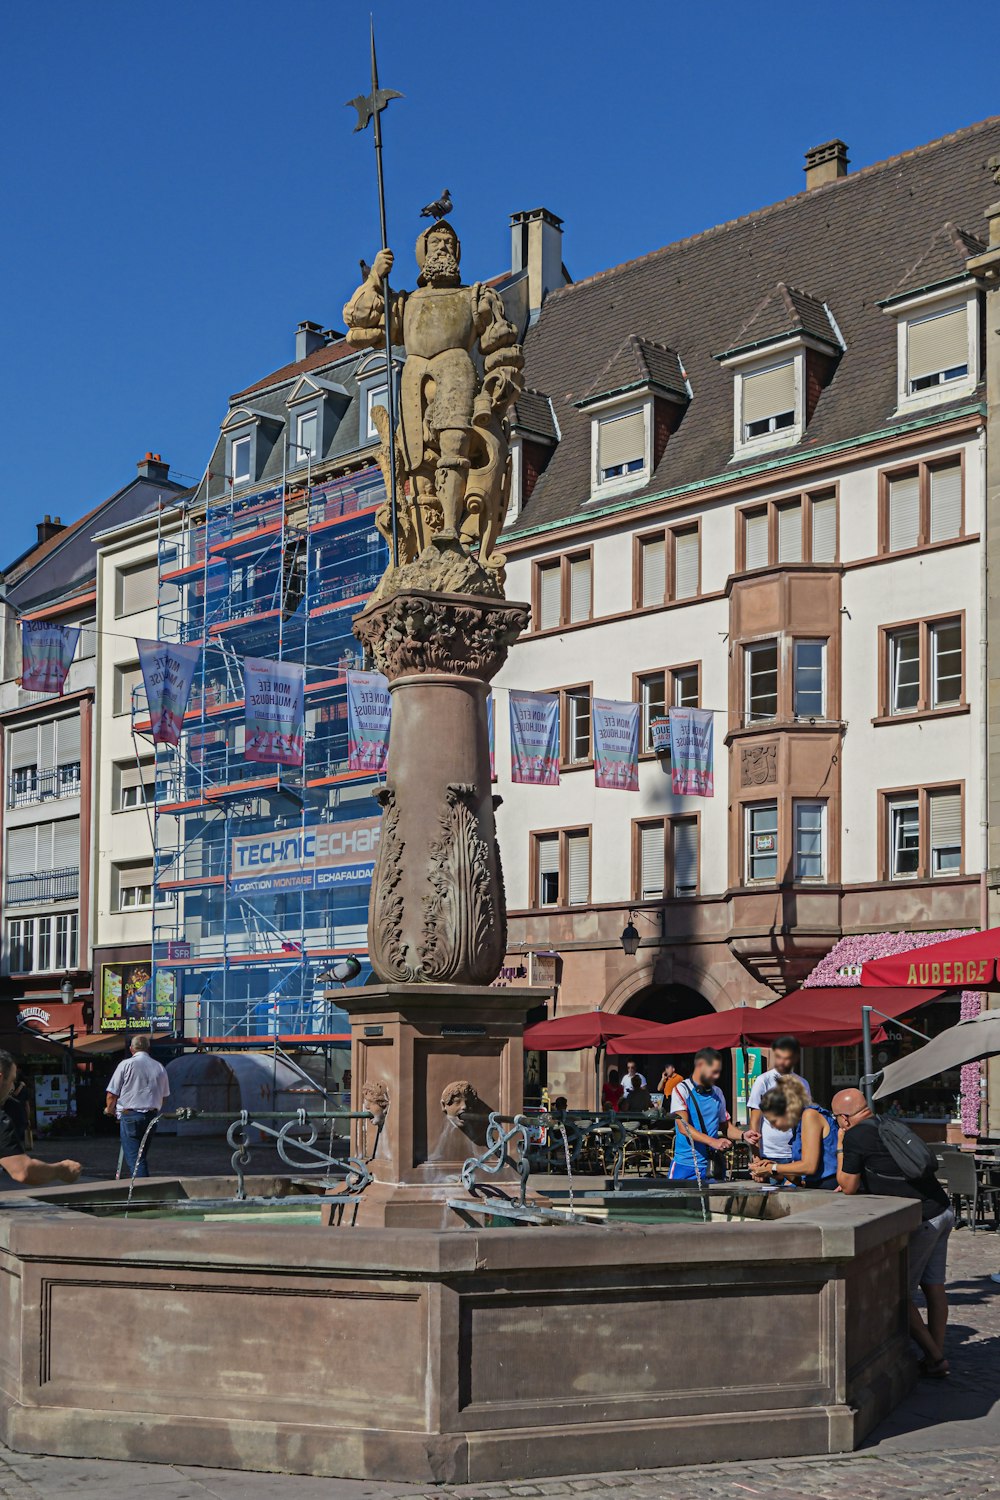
<point x="418" y="632"/>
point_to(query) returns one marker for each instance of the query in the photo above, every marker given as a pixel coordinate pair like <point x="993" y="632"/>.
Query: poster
<point x="659" y="734"/>
<point x="167" y="673"/>
<point x="368" y="712"/>
<point x="692" y="752"/>
<point x="52" y="1100"/>
<point x="275" y="711"/>
<point x="46" y="653"/>
<point x="616" y="745"/>
<point x="491" y="735"/>
<point x="330" y="854"/>
<point x="129" y="1001"/>
<point x="534" y="738"/>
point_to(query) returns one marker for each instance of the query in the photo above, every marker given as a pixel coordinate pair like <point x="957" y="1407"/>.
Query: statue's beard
<point x="441" y="269"/>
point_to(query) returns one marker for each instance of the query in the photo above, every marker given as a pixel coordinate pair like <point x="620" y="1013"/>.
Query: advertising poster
<point x="46" y="653"/>
<point x="534" y="738"/>
<point x="129" y="1000"/>
<point x="616" y="745"/>
<point x="275" y="711"/>
<point x="167" y="673"/>
<point x="659" y="734"/>
<point x="318" y="858"/>
<point x="692" y="752"/>
<point x="368" y="712"/>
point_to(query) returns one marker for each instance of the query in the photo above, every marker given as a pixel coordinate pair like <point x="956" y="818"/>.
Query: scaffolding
<point x="277" y="574"/>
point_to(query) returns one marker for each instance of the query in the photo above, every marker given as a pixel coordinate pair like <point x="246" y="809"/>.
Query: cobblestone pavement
<point x="942" y="1444"/>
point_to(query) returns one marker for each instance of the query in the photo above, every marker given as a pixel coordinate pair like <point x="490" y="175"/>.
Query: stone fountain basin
<point x="458" y="1355"/>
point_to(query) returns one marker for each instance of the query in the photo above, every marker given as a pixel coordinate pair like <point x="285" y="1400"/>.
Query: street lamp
<point x="630" y="937"/>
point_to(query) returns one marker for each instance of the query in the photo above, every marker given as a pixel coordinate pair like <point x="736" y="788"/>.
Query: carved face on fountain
<point x="375" y="1099"/>
<point x="458" y="1101"/>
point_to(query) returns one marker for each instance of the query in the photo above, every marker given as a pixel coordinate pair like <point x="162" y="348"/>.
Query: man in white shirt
<point x="632" y="1078"/>
<point x="136" y="1094"/>
<point x="775" y="1145"/>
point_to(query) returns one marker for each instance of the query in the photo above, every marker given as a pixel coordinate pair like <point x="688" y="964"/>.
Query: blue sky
<point x="181" y="184"/>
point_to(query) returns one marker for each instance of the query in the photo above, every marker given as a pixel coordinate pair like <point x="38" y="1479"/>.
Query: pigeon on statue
<point x="439" y="209"/>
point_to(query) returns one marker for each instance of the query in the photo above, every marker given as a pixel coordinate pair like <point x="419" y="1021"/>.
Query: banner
<point x="534" y="738"/>
<point x="491" y="735"/>
<point x="167" y="672"/>
<point x="368" y="711"/>
<point x="616" y="745"/>
<point x="319" y="858"/>
<point x="46" y="653"/>
<point x="275" y="711"/>
<point x="130" y="1001"/>
<point x="692" y="752"/>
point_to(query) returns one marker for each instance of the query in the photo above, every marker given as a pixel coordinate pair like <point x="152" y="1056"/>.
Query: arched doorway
<point x="664" y="1003"/>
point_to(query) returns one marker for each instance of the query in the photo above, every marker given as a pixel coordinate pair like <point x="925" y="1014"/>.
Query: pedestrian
<point x="865" y="1163"/>
<point x="669" y="1079"/>
<point x="636" y="1102"/>
<point x="612" y="1091"/>
<point x="775" y="1144"/>
<point x="701" y="1116"/>
<point x="13" y="1158"/>
<point x="632" y="1078"/>
<point x="136" y="1093"/>
<point x="813" y="1138"/>
<point x="16" y="1106"/>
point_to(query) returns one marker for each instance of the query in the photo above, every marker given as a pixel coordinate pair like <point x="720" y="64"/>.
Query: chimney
<point x="536" y="247"/>
<point x="153" y="467"/>
<point x="46" y="527"/>
<point x="825" y="163"/>
<point x="308" y="336"/>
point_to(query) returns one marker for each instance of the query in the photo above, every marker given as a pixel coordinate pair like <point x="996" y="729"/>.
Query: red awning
<point x="968" y="962"/>
<point x="573" y="1033"/>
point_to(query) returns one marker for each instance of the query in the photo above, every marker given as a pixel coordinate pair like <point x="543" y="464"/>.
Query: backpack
<point x="912" y="1156"/>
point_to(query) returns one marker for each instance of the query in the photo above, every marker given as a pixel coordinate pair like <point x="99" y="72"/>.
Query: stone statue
<point x="462" y="373"/>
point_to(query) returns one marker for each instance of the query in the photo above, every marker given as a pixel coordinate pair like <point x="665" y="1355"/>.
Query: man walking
<point x="775" y="1144"/>
<point x="136" y="1094"/>
<point x="13" y="1158"/>
<point x="865" y="1162"/>
<point x="703" y="1126"/>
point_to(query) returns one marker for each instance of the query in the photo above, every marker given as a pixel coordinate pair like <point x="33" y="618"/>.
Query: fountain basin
<point x="457" y="1355"/>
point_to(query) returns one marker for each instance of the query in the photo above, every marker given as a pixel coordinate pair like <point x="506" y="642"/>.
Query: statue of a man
<point x="462" y="373"/>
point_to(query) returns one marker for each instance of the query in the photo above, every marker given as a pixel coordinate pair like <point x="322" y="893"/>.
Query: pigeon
<point x="440" y="208"/>
<point x="366" y="269"/>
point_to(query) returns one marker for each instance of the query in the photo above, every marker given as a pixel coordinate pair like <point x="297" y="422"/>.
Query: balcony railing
<point x="43" y="885"/>
<point x="28" y="786"/>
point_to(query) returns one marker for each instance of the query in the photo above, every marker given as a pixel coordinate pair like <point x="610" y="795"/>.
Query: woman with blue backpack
<point x="813" y="1143"/>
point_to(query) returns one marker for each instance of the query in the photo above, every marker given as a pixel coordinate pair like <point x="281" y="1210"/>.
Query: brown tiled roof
<point x="639" y="362"/>
<point x="785" y="311"/>
<point x="942" y="259"/>
<point x="848" y="242"/>
<point x="329" y="354"/>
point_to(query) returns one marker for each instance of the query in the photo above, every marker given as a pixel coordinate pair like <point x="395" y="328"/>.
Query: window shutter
<point x="133" y="775"/>
<point x="769" y="392"/>
<point x="578" y="868"/>
<point x="946" y="820"/>
<point x="687" y="557"/>
<point x="66" y="844"/>
<point x="946" y="502"/>
<point x="24" y="747"/>
<point x="824" y="529"/>
<point x="755" y="539"/>
<point x="549" y="596"/>
<point x="904" y="512"/>
<point x="67" y="741"/>
<point x="685" y="857"/>
<point x="621" y="440"/>
<point x="126" y="679"/>
<point x="135" y="875"/>
<point x="937" y="343"/>
<point x="21" y="851"/>
<point x="136" y="588"/>
<point x="654" y="570"/>
<point x="790" y="532"/>
<point x="579" y="588"/>
<point x="652" y="850"/>
<point x="548" y="855"/>
<point x="46" y="743"/>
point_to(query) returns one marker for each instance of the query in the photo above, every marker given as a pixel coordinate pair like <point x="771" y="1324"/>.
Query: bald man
<point x="864" y="1164"/>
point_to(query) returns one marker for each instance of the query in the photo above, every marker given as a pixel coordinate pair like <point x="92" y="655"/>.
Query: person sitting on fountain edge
<point x="701" y="1116"/>
<point x="811" y="1133"/>
<point x="15" y="1162"/>
<point x="136" y="1093"/>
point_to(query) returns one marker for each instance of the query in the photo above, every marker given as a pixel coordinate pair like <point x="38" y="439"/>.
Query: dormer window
<point x="240" y="454"/>
<point x="621" y="445"/>
<point x="936" y="309"/>
<point x="634" y="405"/>
<point x="375" y="396"/>
<point x="768" y="400"/>
<point x="937" y="349"/>
<point x="307" y="436"/>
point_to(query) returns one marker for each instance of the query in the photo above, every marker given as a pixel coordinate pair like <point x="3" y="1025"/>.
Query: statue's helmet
<point x="441" y="226"/>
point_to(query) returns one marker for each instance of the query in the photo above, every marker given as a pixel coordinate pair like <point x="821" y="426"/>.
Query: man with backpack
<point x="883" y="1156"/>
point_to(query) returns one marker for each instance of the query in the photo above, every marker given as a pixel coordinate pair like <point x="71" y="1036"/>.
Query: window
<point x="687" y="562"/>
<point x="42" y="945"/>
<point x="684" y="855"/>
<point x="924" y="833"/>
<point x="651" y="859"/>
<point x="239" y="459"/>
<point x="922" y="505"/>
<point x="800" y="529"/>
<point x="808" y="687"/>
<point x="652" y="705"/>
<point x="574" y="718"/>
<point x="937" y="349"/>
<point x="563" y="590"/>
<point x="761" y="841"/>
<point x="579" y="569"/>
<point x="621" y="445"/>
<point x="376" y="396"/>
<point x="652" y="588"/>
<point x="548" y="593"/>
<point x="23" y="785"/>
<point x="667" y="567"/>
<point x="135" y="588"/>
<point x="945" y="819"/>
<point x="306" y="437"/>
<point x="68" y="778"/>
<point x="768" y="400"/>
<point x="761" y="689"/>
<point x="790" y="531"/>
<point x="21" y="946"/>
<point x="686" y="687"/>
<point x="135" y="886"/>
<point x="946" y="663"/>
<point x="135" y="785"/>
<point x="66" y="941"/>
<point x="904" y="667"/>
<point x="810" y="819"/>
<point x="562" y="867"/>
<point x="127" y="679"/>
<point x="924" y="667"/>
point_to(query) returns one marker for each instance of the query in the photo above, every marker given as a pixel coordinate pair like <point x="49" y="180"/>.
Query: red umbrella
<point x="968" y="962"/>
<point x="595" y="1028"/>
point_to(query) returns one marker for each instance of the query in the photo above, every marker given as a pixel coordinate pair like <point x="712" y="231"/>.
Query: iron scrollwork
<point x="497" y="1156"/>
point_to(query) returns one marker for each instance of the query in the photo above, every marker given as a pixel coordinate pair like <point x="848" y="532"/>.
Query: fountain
<point x="435" y="1314"/>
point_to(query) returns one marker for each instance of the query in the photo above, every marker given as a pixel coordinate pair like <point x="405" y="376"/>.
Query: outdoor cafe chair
<point x="959" y="1174"/>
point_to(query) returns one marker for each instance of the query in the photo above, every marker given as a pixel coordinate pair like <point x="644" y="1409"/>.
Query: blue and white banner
<point x="369" y="708"/>
<point x="275" y="711"/>
<point x="534" y="738"/>
<point x="616" y="745"/>
<point x="331" y="854"/>
<point x="692" y="752"/>
<point x="47" y="650"/>
<point x="167" y="673"/>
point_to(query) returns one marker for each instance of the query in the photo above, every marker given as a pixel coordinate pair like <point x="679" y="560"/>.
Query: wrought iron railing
<point x="43" y="885"/>
<point x="29" y="786"/>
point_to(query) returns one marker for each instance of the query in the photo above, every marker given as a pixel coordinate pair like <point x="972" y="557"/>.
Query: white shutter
<point x="579" y="588"/>
<point x="549" y="596"/>
<point x="768" y="393"/>
<point x="687" y="557"/>
<point x="654" y="570"/>
<point x="66" y="844"/>
<point x="685" y="832"/>
<point x="824" y="529"/>
<point x="904" y="512"/>
<point x="937" y="343"/>
<point x="136" y="588"/>
<point x="620" y="440"/>
<point x="126" y="678"/>
<point x="578" y="868"/>
<point x="23" y="747"/>
<point x="946" y="502"/>
<point x="47" y="743"/>
<point x="790" y="532"/>
<point x="946" y="820"/>
<point x="652" y="850"/>
<point x="548" y="855"/>
<point x="755" y="539"/>
<point x="21" y="851"/>
<point x="135" y="875"/>
<point x="68" y="741"/>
